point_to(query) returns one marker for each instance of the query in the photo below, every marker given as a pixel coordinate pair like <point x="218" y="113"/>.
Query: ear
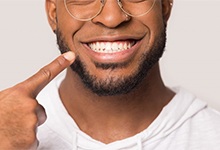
<point x="166" y="7"/>
<point x="51" y="13"/>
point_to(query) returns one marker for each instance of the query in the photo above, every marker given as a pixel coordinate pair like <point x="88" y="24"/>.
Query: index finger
<point x="39" y="80"/>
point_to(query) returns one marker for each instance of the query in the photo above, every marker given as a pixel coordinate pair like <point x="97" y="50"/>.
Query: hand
<point x="20" y="113"/>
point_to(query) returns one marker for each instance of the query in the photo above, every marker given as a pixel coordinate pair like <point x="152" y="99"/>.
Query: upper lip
<point x="111" y="38"/>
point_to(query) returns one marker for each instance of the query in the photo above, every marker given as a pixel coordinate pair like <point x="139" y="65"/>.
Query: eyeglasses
<point x="85" y="10"/>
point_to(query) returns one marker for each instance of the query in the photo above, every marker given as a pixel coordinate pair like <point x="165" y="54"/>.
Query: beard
<point x="112" y="86"/>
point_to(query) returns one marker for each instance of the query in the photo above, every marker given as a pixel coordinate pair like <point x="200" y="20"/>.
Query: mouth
<point x="111" y="47"/>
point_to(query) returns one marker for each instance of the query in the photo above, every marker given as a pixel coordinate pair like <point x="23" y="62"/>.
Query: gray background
<point x="191" y="59"/>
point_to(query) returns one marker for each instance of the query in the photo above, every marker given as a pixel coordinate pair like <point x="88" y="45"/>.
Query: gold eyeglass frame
<point x="101" y="7"/>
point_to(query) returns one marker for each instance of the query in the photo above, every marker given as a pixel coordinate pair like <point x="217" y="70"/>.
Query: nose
<point x="111" y="15"/>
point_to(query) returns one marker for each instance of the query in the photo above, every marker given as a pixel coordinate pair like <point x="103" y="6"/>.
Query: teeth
<point x="110" y="47"/>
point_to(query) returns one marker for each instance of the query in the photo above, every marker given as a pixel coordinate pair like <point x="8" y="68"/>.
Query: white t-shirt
<point x="186" y="123"/>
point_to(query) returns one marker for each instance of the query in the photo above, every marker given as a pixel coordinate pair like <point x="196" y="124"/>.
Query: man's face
<point x="139" y="42"/>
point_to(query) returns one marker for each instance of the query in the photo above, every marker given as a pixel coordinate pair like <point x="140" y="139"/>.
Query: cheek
<point x="154" y="19"/>
<point x="69" y="28"/>
<point x="155" y="24"/>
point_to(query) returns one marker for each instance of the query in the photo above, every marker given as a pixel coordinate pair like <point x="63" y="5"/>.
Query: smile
<point x="111" y="47"/>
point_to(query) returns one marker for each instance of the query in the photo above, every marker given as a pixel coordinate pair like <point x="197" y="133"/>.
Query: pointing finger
<point x="39" y="80"/>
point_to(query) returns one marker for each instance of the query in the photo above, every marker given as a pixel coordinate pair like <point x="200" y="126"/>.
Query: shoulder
<point x="207" y="120"/>
<point x="199" y="127"/>
<point x="201" y="130"/>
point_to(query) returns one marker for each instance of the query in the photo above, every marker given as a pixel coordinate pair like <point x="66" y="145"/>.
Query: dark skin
<point x="111" y="118"/>
<point x="20" y="113"/>
<point x="105" y="118"/>
<point x="108" y="119"/>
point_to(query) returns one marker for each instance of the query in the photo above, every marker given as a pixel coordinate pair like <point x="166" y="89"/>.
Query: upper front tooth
<point x="110" y="46"/>
<point x="114" y="46"/>
<point x="107" y="46"/>
<point x="102" y="45"/>
<point x="97" y="46"/>
<point x="120" y="46"/>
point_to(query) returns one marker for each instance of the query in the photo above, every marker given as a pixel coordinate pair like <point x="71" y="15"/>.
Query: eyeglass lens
<point x="88" y="9"/>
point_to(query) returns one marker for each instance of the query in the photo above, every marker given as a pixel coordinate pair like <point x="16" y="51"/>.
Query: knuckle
<point x="32" y="121"/>
<point x="46" y="72"/>
<point x="14" y="93"/>
<point x="41" y="114"/>
<point x="32" y="104"/>
<point x="19" y="88"/>
<point x="60" y="61"/>
<point x="38" y="115"/>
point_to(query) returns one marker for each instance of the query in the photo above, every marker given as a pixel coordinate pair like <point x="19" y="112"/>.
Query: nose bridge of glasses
<point x="118" y="2"/>
<point x="111" y="2"/>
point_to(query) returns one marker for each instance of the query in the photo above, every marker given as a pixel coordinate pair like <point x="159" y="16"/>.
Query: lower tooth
<point x="107" y="51"/>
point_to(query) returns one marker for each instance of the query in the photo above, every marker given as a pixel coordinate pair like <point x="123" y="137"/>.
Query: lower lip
<point x="122" y="56"/>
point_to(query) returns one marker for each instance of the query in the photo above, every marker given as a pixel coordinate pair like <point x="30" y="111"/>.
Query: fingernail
<point x="69" y="56"/>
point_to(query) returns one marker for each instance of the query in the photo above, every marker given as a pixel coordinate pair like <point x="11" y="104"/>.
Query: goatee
<point x="112" y="86"/>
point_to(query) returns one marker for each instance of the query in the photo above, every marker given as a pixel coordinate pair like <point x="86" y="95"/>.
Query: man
<point x="112" y="95"/>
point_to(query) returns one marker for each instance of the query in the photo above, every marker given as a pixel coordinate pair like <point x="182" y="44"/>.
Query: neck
<point x="115" y="117"/>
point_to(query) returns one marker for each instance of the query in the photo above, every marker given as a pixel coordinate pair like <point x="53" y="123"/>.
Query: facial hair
<point x="112" y="86"/>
